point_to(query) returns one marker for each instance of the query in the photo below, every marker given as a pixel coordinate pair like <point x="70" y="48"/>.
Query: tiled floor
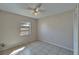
<point x="43" y="48"/>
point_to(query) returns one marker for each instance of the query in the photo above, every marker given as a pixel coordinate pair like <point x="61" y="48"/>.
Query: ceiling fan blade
<point x="29" y="8"/>
<point x="42" y="10"/>
<point x="38" y="5"/>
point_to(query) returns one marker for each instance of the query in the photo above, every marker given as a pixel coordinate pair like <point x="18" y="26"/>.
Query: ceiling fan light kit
<point x="35" y="12"/>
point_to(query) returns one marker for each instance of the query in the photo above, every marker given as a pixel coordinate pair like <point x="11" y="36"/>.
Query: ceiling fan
<point x="36" y="9"/>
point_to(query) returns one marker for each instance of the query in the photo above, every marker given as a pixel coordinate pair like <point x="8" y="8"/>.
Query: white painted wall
<point x="57" y="29"/>
<point x="9" y="30"/>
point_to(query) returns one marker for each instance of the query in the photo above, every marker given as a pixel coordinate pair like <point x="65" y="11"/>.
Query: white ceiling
<point x="50" y="8"/>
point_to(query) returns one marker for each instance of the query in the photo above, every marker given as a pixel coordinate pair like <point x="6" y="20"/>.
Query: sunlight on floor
<point x="16" y="51"/>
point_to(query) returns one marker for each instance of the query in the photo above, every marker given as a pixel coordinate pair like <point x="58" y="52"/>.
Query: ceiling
<point x="49" y="8"/>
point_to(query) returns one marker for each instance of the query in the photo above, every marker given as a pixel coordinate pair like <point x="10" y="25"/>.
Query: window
<point x="25" y="28"/>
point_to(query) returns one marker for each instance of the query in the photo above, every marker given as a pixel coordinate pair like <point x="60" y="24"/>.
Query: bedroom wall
<point x="57" y="29"/>
<point x="9" y="30"/>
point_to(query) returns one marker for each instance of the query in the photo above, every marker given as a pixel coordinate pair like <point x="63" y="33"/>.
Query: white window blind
<point x="25" y="28"/>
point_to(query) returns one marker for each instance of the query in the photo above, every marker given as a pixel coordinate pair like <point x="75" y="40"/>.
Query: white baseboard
<point x="58" y="45"/>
